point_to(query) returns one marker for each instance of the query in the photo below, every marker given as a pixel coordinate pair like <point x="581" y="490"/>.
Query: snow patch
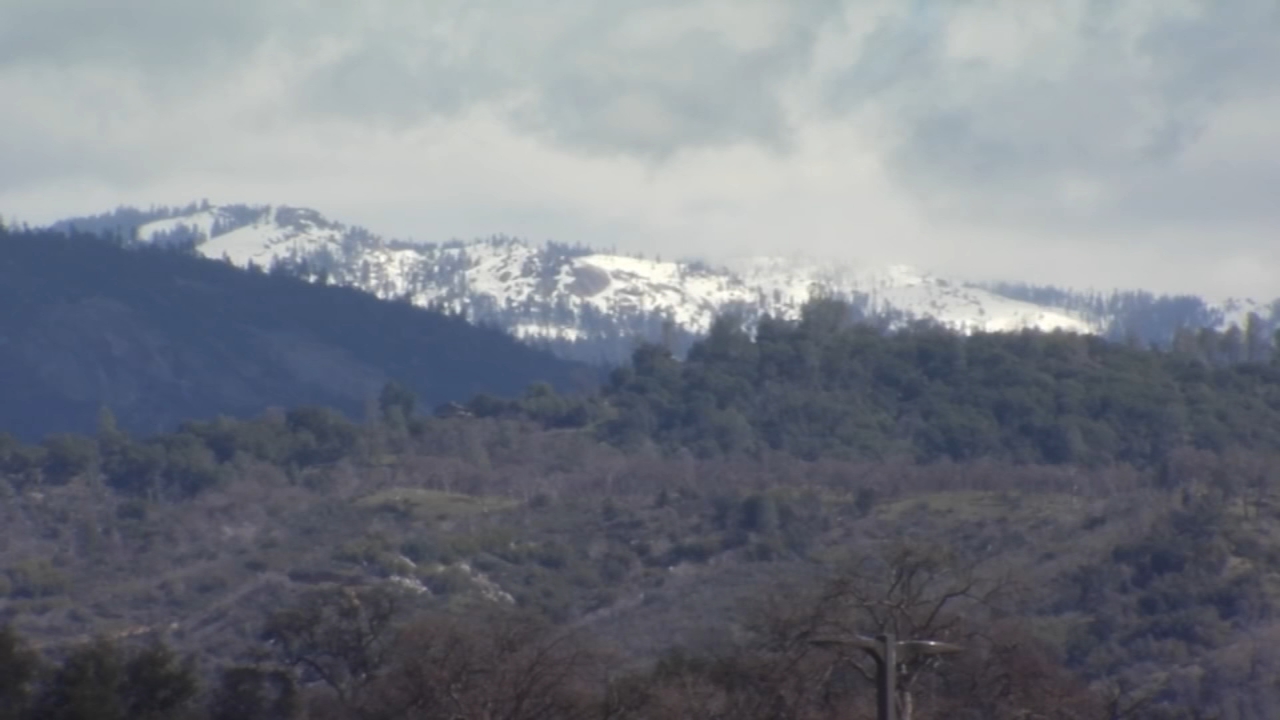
<point x="547" y="292"/>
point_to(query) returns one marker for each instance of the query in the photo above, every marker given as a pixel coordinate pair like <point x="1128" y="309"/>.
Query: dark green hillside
<point x="160" y="337"/>
<point x="823" y="387"/>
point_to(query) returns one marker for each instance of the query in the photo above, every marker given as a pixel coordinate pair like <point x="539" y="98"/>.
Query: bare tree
<point x="913" y="592"/>
<point x="498" y="665"/>
<point x="340" y="637"/>
<point x="1007" y="674"/>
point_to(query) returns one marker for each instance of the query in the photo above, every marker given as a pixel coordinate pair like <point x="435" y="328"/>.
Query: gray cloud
<point x="1119" y="107"/>
<point x="577" y="77"/>
<point x="1092" y="123"/>
<point x="693" y="92"/>
<point x="158" y="37"/>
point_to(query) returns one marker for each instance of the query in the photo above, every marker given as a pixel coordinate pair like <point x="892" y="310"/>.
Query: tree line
<point x="819" y="387"/>
<point x="371" y="652"/>
<point x="823" y="386"/>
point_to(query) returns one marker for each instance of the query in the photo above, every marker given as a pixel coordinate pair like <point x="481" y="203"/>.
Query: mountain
<point x="1153" y="318"/>
<point x="158" y="337"/>
<point x="1115" y="507"/>
<point x="593" y="305"/>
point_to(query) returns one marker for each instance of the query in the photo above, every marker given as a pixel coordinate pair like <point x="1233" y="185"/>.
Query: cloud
<point x="646" y="79"/>
<point x="1075" y="141"/>
<point x="1070" y="112"/>
<point x="163" y="38"/>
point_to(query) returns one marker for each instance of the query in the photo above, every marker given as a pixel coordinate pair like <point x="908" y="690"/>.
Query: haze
<point x="1085" y="143"/>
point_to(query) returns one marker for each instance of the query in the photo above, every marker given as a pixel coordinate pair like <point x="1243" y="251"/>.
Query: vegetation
<point x="822" y="387"/>
<point x="1096" y="524"/>
<point x="366" y="653"/>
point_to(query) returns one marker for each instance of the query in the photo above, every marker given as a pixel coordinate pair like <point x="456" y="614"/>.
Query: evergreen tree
<point x="249" y="693"/>
<point x="1207" y="344"/>
<point x="1233" y="345"/>
<point x="85" y="686"/>
<point x="1255" y="338"/>
<point x="397" y="402"/>
<point x="19" y="667"/>
<point x="98" y="681"/>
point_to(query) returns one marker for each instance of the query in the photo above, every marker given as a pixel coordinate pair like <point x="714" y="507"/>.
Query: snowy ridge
<point x="200" y="223"/>
<point x="502" y="276"/>
<point x="902" y="290"/>
<point x="558" y="293"/>
<point x="267" y="235"/>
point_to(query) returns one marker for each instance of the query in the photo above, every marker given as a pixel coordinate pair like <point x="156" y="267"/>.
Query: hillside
<point x="159" y="337"/>
<point x="825" y="388"/>
<point x="1095" y="522"/>
<point x="592" y="304"/>
<point x="1091" y="583"/>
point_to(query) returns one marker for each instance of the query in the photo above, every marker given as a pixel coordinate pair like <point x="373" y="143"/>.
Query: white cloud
<point x="1076" y="141"/>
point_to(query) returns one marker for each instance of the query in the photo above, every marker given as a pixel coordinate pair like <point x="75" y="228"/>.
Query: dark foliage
<point x="103" y="681"/>
<point x="823" y="387"/>
<point x="159" y="336"/>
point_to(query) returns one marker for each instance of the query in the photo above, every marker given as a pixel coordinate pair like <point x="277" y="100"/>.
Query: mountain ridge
<point x="592" y="304"/>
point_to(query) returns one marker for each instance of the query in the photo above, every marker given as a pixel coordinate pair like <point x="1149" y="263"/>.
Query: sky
<point x="1087" y="143"/>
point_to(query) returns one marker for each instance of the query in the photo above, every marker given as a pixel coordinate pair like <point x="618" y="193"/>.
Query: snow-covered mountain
<point x="594" y="304"/>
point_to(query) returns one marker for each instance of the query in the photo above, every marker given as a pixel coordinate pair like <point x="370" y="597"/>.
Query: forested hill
<point x="160" y="337"/>
<point x="1135" y="578"/>
<point x="822" y="387"/>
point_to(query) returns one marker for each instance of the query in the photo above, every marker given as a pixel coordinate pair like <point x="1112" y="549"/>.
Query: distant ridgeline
<point x="597" y="305"/>
<point x="123" y="222"/>
<point x="606" y="337"/>
<point x="1163" y="320"/>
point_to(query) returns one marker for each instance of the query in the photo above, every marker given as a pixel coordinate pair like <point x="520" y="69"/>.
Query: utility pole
<point x="887" y="676"/>
<point x="888" y="653"/>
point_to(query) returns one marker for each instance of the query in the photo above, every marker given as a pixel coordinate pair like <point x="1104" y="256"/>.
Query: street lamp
<point x="888" y="652"/>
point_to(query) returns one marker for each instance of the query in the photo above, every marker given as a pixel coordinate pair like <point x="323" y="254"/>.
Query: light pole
<point x="889" y="652"/>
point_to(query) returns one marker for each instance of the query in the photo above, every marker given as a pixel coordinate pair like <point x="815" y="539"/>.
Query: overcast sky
<point x="1085" y="142"/>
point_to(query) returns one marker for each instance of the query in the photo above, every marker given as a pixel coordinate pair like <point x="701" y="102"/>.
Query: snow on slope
<point x="538" y="291"/>
<point x="690" y="297"/>
<point x="201" y="223"/>
<point x="903" y="289"/>
<point x="264" y="241"/>
<point x="274" y="233"/>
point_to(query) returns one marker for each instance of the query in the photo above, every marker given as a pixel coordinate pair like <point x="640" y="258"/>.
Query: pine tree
<point x="19" y="667"/>
<point x="397" y="402"/>
<point x="1254" y="338"/>
<point x="1207" y="343"/>
<point x="85" y="686"/>
<point x="249" y="693"/>
<point x="1184" y="341"/>
<point x="1233" y="345"/>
